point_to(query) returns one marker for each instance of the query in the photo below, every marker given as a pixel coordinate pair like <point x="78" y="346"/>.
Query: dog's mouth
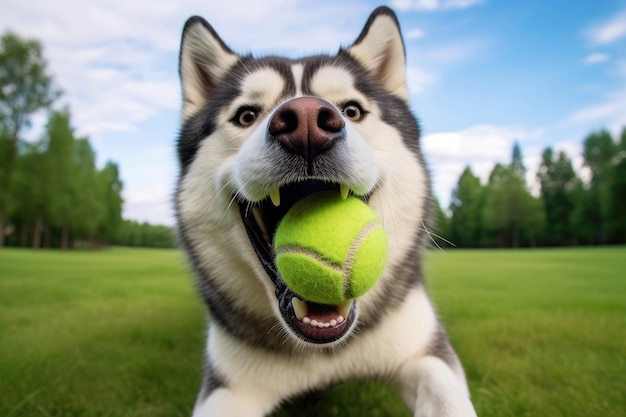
<point x="312" y="322"/>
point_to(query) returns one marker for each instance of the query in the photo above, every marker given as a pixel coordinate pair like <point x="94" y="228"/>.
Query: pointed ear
<point x="380" y="49"/>
<point x="204" y="60"/>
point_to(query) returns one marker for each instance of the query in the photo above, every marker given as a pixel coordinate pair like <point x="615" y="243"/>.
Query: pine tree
<point x="511" y="212"/>
<point x="466" y="207"/>
<point x="599" y="151"/>
<point x="557" y="180"/>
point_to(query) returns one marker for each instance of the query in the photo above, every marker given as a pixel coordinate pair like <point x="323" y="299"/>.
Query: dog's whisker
<point x="432" y="234"/>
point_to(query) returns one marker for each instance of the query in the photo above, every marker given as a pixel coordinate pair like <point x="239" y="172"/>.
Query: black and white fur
<point x="233" y="164"/>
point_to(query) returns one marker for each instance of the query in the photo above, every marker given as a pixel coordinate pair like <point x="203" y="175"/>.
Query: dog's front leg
<point x="432" y="389"/>
<point x="224" y="402"/>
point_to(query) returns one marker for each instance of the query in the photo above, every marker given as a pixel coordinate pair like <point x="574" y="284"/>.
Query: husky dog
<point x="258" y="134"/>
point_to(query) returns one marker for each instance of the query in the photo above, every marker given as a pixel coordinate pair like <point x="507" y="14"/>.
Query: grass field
<point x="121" y="332"/>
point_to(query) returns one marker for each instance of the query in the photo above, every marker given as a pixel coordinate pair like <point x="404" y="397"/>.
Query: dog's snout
<point x="307" y="126"/>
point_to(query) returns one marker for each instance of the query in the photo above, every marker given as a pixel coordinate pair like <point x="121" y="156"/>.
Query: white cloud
<point x="455" y="52"/>
<point x="596" y="58"/>
<point x="480" y="147"/>
<point x="610" y="31"/>
<point x="419" y="79"/>
<point x="432" y="5"/>
<point x="415" y="33"/>
<point x="156" y="211"/>
<point x="481" y="142"/>
<point x="460" y="4"/>
<point x="415" y="4"/>
<point x="611" y="113"/>
<point x="149" y="196"/>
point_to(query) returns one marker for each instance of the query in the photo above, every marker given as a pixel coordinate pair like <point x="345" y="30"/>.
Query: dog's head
<point x="261" y="133"/>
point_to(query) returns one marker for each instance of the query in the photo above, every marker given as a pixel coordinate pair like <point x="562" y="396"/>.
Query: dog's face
<point x="261" y="133"/>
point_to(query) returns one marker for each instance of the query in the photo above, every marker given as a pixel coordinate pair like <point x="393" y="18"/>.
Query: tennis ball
<point x="329" y="249"/>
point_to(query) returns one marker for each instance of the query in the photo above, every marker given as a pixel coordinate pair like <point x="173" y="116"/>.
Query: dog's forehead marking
<point x="332" y="83"/>
<point x="263" y="85"/>
<point x="298" y="73"/>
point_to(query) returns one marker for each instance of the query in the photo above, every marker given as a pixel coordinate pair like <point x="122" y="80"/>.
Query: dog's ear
<point x="380" y="49"/>
<point x="203" y="62"/>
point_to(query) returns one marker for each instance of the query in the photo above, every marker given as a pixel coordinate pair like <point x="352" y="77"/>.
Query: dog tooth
<point x="314" y="323"/>
<point x="340" y="319"/>
<point x="343" y="191"/>
<point x="306" y="320"/>
<point x="299" y="307"/>
<point x="275" y="196"/>
<point x="344" y="309"/>
<point x="333" y="322"/>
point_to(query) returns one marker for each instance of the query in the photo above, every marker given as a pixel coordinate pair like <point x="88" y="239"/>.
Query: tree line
<point x="52" y="194"/>
<point x="569" y="210"/>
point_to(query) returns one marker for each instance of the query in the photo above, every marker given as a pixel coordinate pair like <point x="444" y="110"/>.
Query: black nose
<point x="307" y="126"/>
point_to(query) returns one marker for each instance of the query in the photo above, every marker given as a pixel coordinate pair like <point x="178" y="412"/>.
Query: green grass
<point x="540" y="332"/>
<point x="121" y="333"/>
<point x="111" y="333"/>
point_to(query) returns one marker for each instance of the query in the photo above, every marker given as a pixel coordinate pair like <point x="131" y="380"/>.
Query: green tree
<point x="502" y="200"/>
<point x="132" y="233"/>
<point x="617" y="192"/>
<point x="63" y="204"/>
<point x="599" y="151"/>
<point x="510" y="211"/>
<point x="466" y="206"/>
<point x="442" y="226"/>
<point x="30" y="192"/>
<point x="557" y="180"/>
<point x="25" y="88"/>
<point x="517" y="161"/>
<point x="111" y="185"/>
<point x="584" y="217"/>
<point x="90" y="205"/>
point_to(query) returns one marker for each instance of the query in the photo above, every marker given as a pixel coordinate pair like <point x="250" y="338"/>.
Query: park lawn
<point x="104" y="333"/>
<point x="120" y="333"/>
<point x="540" y="332"/>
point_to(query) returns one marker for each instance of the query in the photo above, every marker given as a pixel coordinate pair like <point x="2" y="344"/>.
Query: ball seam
<point x="289" y="249"/>
<point x="346" y="269"/>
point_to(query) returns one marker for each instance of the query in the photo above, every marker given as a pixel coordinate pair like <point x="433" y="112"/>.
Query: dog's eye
<point x="353" y="112"/>
<point x="245" y="116"/>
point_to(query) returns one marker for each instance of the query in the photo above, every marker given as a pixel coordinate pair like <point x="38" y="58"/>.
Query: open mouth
<point x="312" y="322"/>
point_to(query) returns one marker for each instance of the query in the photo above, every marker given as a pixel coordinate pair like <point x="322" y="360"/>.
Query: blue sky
<point x="482" y="74"/>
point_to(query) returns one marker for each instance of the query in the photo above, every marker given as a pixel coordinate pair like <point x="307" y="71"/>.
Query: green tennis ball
<point x="329" y="249"/>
